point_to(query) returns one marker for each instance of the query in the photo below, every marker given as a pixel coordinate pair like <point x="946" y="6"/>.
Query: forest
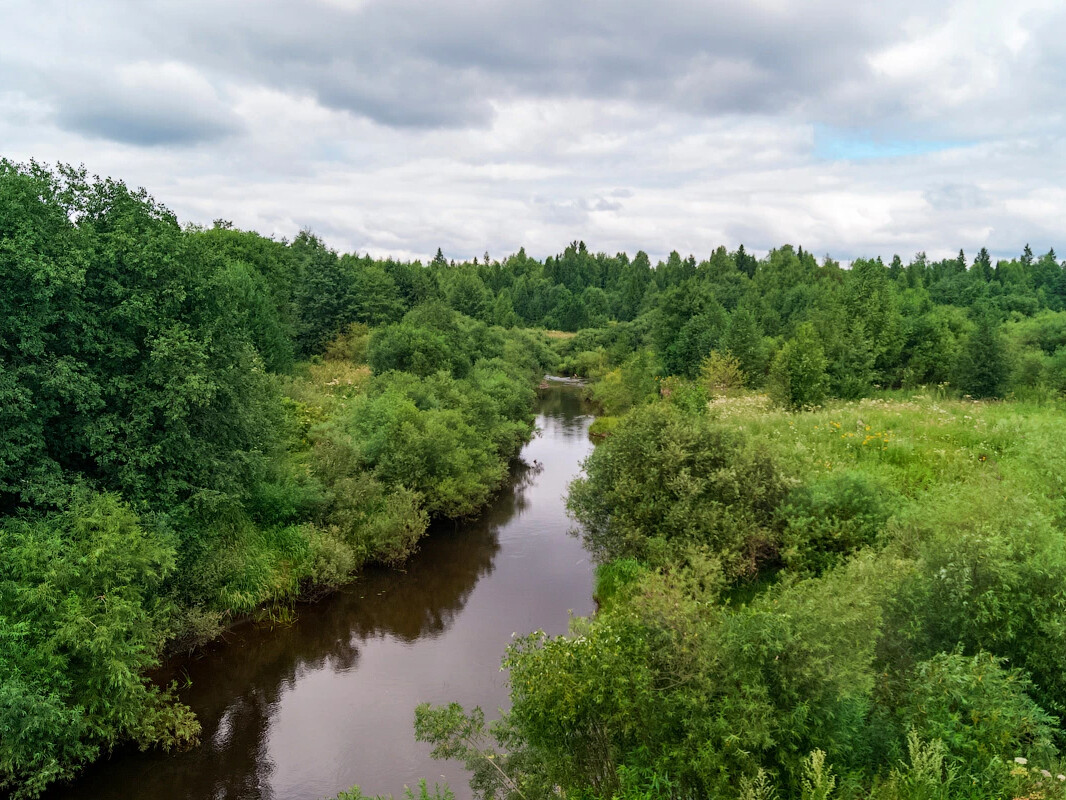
<point x="827" y="505"/>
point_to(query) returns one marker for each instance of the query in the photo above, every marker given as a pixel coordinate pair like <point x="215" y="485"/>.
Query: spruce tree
<point x="798" y="376"/>
<point x="983" y="361"/>
<point x="982" y="265"/>
<point x="743" y="341"/>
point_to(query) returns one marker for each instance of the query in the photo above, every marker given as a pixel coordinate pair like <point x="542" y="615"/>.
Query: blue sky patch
<point x="838" y="145"/>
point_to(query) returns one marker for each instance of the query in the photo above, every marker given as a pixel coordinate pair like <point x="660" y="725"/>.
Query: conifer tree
<point x="798" y="376"/>
<point x="983" y="361"/>
<point x="982" y="265"/>
<point x="743" y="341"/>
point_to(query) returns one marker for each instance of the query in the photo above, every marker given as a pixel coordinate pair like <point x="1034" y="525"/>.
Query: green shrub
<point x="990" y="576"/>
<point x="684" y="480"/>
<point x="438" y="793"/>
<point x="721" y="374"/>
<point x="603" y="426"/>
<point x="81" y="618"/>
<point x="980" y="711"/>
<point x="831" y="518"/>
<point x="614" y="577"/>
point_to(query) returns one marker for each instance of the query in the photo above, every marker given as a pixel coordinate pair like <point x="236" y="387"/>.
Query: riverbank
<point x="307" y="709"/>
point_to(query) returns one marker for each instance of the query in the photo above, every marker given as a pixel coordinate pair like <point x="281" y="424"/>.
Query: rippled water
<point x="306" y="710"/>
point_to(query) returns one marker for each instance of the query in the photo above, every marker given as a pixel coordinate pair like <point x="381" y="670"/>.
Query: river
<point x="302" y="711"/>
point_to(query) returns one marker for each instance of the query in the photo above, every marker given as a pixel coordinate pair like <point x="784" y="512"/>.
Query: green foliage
<point x="831" y="518"/>
<point x="438" y="793"/>
<point x="924" y="776"/>
<point x="630" y="385"/>
<point x="166" y="463"/>
<point x="129" y="360"/>
<point x="721" y="374"/>
<point x="448" y="440"/>
<point x="979" y="711"/>
<point x="603" y="426"/>
<point x="616" y="577"/>
<point x="683" y="480"/>
<point x="990" y="578"/>
<point x="983" y="368"/>
<point x="81" y="616"/>
<point x="818" y="779"/>
<point x="904" y="646"/>
<point x="464" y="737"/>
<point x="798" y="376"/>
<point x="743" y="341"/>
<point x="150" y="367"/>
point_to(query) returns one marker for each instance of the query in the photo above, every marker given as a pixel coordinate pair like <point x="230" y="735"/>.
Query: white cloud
<point x="396" y="128"/>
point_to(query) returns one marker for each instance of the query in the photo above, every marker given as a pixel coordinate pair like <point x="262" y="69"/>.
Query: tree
<point x="798" y="376"/>
<point x="743" y="341"/>
<point x="81" y="618"/>
<point x="325" y="299"/>
<point x="467" y="294"/>
<point x="721" y="374"/>
<point x="983" y="364"/>
<point x="745" y="263"/>
<point x="982" y="265"/>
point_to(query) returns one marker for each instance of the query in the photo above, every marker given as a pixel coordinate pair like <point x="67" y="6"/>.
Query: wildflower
<point x="1021" y="760"/>
<point x="1061" y="777"/>
<point x="1045" y="773"/>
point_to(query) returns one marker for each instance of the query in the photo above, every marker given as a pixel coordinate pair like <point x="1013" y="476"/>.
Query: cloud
<point x="395" y="126"/>
<point x="957" y="197"/>
<point x="145" y="104"/>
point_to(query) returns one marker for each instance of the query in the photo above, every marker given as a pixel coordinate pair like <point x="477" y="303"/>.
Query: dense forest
<point x="827" y="508"/>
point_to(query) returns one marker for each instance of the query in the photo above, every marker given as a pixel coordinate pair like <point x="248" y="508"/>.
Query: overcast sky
<point x="399" y="126"/>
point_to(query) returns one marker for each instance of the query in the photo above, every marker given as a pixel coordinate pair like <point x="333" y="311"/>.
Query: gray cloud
<point x="398" y="126"/>
<point x="143" y="121"/>
<point x="405" y="62"/>
<point x="956" y="197"/>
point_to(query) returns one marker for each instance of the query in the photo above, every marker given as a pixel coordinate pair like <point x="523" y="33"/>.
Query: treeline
<point x="808" y="330"/>
<point x="197" y="425"/>
<point x="982" y="328"/>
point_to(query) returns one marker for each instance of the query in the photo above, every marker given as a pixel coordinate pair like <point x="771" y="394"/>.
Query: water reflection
<point x="305" y="710"/>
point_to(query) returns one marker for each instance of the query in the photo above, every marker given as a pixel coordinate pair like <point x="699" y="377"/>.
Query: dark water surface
<point x="304" y="711"/>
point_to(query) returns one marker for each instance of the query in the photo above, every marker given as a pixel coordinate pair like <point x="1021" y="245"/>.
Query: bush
<point x="630" y="385"/>
<point x="980" y="711"/>
<point x="991" y="576"/>
<point x="721" y="374"/>
<point x="678" y="479"/>
<point x="613" y="577"/>
<point x="831" y="518"/>
<point x="81" y="618"/>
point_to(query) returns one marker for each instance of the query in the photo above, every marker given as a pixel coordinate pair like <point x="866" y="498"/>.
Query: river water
<point x="303" y="711"/>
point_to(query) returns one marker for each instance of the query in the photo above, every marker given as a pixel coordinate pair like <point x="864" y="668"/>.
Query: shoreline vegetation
<point x="827" y="506"/>
<point x="865" y="599"/>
